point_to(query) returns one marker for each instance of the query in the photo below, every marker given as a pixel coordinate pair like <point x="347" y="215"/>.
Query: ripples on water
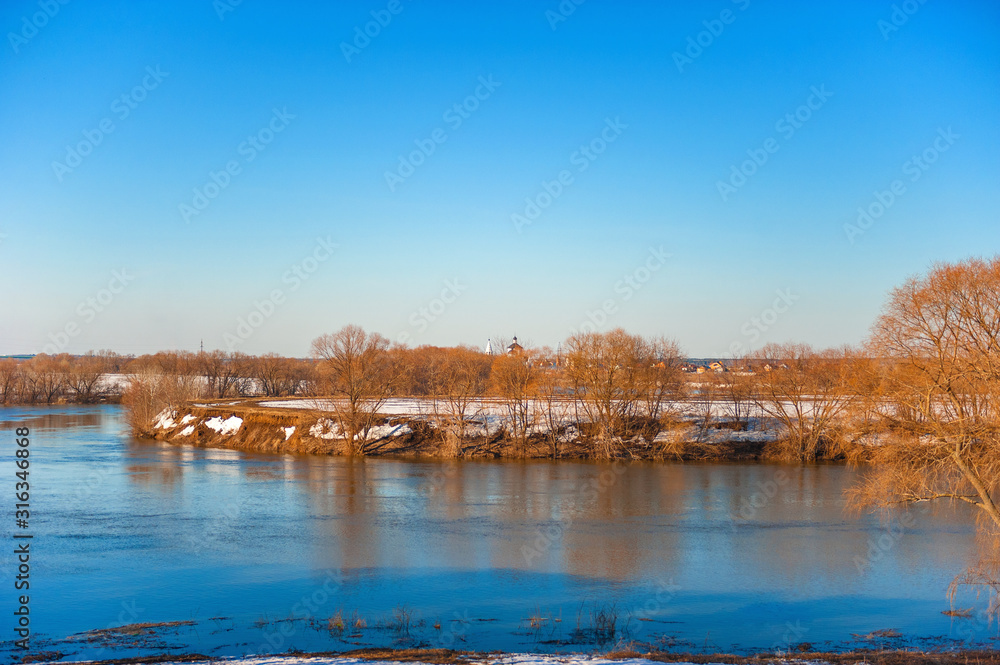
<point x="260" y="551"/>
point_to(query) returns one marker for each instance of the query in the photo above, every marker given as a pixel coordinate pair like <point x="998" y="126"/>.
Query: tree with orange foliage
<point x="806" y="391"/>
<point x="361" y="371"/>
<point x="513" y="377"/>
<point x="607" y="372"/>
<point x="939" y="338"/>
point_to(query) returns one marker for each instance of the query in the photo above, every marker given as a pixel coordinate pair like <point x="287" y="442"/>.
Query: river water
<point x="258" y="552"/>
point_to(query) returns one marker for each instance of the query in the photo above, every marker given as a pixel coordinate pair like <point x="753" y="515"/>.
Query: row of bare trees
<point x="613" y="381"/>
<point x="100" y="376"/>
<point x="47" y="379"/>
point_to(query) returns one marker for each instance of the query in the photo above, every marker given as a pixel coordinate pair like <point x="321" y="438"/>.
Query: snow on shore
<point x="498" y="659"/>
<point x="225" y="427"/>
<point x="485" y="417"/>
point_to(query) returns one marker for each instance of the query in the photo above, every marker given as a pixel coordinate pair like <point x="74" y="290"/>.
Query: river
<point x="258" y="552"/>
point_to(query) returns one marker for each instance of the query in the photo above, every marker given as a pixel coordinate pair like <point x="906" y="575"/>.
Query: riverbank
<point x="417" y="428"/>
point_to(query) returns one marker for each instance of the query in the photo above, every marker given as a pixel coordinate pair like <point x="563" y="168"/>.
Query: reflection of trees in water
<point x="55" y="420"/>
<point x="787" y="529"/>
<point x="651" y="521"/>
<point x="481" y="515"/>
<point x="156" y="464"/>
<point x="342" y="495"/>
<point x="163" y="475"/>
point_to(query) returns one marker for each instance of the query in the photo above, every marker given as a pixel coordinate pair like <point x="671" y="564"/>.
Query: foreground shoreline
<point x="376" y="656"/>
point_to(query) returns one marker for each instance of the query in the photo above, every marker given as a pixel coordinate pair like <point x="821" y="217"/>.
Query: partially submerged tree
<point x="360" y="371"/>
<point x="939" y="337"/>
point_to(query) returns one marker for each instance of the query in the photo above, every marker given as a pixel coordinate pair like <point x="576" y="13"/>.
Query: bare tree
<point x="551" y="403"/>
<point x="735" y="388"/>
<point x="606" y="369"/>
<point x="276" y="375"/>
<point x="464" y="376"/>
<point x="660" y="372"/>
<point x="149" y="390"/>
<point x="940" y="337"/>
<point x="84" y="377"/>
<point x="11" y="381"/>
<point x="513" y="377"/>
<point x="360" y="370"/>
<point x="221" y="371"/>
<point x="806" y="392"/>
<point x="46" y="376"/>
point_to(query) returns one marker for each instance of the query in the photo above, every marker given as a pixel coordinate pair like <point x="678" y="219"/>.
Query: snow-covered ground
<point x="498" y="659"/>
<point x="486" y="417"/>
<point x="566" y="408"/>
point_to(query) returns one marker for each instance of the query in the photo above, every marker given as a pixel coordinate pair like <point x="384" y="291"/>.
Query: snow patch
<point x="224" y="427"/>
<point x="187" y="419"/>
<point x="569" y="435"/>
<point x="385" y="431"/>
<point x="325" y="429"/>
<point x="166" y="419"/>
<point x="187" y="431"/>
<point x="288" y="431"/>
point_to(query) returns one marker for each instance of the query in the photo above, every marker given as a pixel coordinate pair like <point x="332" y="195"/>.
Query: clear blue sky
<point x="681" y="127"/>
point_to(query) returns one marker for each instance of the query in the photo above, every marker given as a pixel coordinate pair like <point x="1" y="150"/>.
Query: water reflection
<point x="46" y="418"/>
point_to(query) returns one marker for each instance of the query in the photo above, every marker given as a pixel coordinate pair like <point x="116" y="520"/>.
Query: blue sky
<point x="437" y="256"/>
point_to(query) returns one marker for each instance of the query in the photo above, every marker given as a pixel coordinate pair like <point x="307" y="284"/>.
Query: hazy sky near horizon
<point x="256" y="174"/>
